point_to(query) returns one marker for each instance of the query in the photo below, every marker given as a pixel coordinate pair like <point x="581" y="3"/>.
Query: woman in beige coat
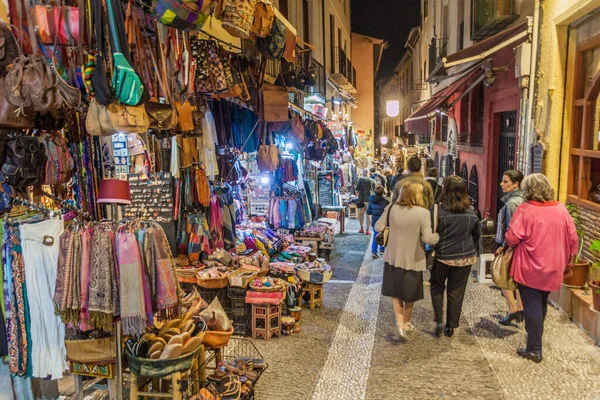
<point x="404" y="257"/>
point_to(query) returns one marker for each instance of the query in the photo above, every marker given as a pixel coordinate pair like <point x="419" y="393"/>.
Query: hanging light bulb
<point x="384" y="140"/>
<point x="392" y="108"/>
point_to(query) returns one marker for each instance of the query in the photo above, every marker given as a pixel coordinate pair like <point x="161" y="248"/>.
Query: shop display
<point x="158" y="170"/>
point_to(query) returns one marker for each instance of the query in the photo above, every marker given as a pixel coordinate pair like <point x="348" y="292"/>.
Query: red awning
<point x="480" y="50"/>
<point x="414" y="124"/>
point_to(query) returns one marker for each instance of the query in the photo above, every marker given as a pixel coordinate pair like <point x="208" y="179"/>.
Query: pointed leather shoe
<point x="509" y="318"/>
<point x="439" y="328"/>
<point x="449" y="331"/>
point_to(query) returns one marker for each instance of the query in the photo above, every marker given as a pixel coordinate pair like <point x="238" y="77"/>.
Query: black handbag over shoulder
<point x="25" y="162"/>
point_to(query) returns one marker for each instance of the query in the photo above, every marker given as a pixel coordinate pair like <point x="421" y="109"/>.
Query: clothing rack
<point x="32" y="206"/>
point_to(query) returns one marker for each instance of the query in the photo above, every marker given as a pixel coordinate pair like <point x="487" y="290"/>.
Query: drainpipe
<point x="530" y="134"/>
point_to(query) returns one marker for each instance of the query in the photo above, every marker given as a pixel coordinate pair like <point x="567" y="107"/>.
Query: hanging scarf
<point x="131" y="287"/>
<point x="216" y="223"/>
<point x="159" y="258"/>
<point x="86" y="266"/>
<point x="103" y="290"/>
<point x="66" y="294"/>
<point x="141" y="237"/>
<point x="17" y="328"/>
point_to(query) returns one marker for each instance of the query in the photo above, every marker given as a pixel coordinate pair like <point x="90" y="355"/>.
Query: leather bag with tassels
<point x="501" y="269"/>
<point x="9" y="115"/>
<point x="274" y="102"/>
<point x="115" y="118"/>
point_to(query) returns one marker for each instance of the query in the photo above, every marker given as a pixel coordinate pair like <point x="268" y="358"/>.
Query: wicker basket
<point x="215" y="339"/>
<point x="236" y="278"/>
<point x="214" y="283"/>
<point x="159" y="368"/>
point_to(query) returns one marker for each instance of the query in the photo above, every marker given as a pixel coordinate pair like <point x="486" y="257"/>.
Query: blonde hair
<point x="411" y="194"/>
<point x="537" y="187"/>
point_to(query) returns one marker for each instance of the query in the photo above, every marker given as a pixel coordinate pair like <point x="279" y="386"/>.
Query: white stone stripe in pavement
<point x="344" y="375"/>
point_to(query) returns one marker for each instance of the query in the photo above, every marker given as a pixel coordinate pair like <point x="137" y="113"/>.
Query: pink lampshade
<point x="114" y="191"/>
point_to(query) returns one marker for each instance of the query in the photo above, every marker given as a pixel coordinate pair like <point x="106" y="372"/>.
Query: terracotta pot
<point x="579" y="274"/>
<point x="595" y="287"/>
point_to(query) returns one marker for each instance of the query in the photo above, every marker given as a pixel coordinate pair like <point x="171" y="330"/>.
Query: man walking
<point x="364" y="188"/>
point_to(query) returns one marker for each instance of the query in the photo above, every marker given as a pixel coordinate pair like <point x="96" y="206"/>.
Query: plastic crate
<point x="210" y="294"/>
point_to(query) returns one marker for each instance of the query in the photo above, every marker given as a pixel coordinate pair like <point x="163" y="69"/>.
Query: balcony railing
<point x="319" y="88"/>
<point x="491" y="16"/>
<point x="343" y="72"/>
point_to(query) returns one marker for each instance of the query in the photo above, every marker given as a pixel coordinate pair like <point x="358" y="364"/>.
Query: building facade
<point x="367" y="52"/>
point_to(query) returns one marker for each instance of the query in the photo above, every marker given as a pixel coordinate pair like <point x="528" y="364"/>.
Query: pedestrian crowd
<point x="423" y="224"/>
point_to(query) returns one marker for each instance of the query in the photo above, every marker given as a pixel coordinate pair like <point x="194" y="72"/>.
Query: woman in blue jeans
<point x="377" y="204"/>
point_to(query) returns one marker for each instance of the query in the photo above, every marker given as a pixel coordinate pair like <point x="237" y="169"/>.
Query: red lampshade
<point x="114" y="191"/>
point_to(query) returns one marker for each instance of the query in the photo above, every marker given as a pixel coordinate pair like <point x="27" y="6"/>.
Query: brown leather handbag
<point x="274" y="103"/>
<point x="9" y="117"/>
<point x="268" y="154"/>
<point x="115" y="118"/>
<point x="185" y="116"/>
<point x="9" y="49"/>
<point x="501" y="269"/>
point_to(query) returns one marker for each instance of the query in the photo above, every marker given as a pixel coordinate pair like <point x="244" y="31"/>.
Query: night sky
<point x="390" y="20"/>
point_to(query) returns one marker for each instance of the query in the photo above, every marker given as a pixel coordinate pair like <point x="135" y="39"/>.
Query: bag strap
<point x="387" y="222"/>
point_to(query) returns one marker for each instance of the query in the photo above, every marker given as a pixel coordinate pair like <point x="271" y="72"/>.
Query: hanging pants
<point x="535" y="305"/>
<point x="453" y="280"/>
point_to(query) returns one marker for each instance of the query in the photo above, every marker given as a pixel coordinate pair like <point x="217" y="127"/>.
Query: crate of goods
<point x="242" y="277"/>
<point x="314" y="272"/>
<point x="212" y="279"/>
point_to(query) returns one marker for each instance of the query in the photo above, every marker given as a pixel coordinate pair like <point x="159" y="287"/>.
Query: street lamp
<point x="392" y="108"/>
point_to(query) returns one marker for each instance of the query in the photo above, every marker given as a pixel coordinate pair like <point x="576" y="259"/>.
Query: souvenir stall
<point x="165" y="186"/>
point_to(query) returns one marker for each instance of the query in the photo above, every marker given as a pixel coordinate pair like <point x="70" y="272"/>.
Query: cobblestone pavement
<point x="342" y="353"/>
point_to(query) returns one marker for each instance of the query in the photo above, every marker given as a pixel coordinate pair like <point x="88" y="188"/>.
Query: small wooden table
<point x="341" y="210"/>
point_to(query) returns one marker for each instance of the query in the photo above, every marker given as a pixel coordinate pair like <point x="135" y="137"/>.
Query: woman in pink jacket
<point x="545" y="241"/>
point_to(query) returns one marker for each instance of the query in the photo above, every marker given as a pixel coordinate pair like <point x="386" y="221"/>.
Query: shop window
<point x="463" y="129"/>
<point x="584" y="163"/>
<point x="436" y="160"/>
<point x="444" y="128"/>
<point x="305" y="21"/>
<point x="477" y="106"/>
<point x="283" y="7"/>
<point x="474" y="187"/>
<point x="464" y="173"/>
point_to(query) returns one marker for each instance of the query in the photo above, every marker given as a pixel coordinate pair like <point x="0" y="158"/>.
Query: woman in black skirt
<point x="404" y="257"/>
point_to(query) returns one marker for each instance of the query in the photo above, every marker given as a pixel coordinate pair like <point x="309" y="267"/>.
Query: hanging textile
<point x="207" y="146"/>
<point x="131" y="288"/>
<point x="228" y="215"/>
<point x="103" y="303"/>
<point x="165" y="286"/>
<point x="40" y="243"/>
<point x="67" y="292"/>
<point x="216" y="223"/>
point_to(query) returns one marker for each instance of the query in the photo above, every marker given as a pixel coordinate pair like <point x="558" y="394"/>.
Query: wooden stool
<point x="175" y="388"/>
<point x="352" y="211"/>
<point x="266" y="320"/>
<point x="313" y="294"/>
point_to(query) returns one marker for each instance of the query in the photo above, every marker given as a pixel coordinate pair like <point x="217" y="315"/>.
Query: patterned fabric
<point x="66" y="295"/>
<point x="238" y="17"/>
<point x="103" y="300"/>
<point x="159" y="258"/>
<point x="133" y="310"/>
<point x="463" y="262"/>
<point x="18" y="331"/>
<point x="86" y="266"/>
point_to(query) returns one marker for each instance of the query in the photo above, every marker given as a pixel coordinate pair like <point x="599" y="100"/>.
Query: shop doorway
<point x="506" y="149"/>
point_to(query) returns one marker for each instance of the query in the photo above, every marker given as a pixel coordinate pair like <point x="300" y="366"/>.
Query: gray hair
<point x="537" y="187"/>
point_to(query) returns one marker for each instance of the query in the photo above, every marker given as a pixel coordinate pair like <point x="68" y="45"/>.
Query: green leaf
<point x="595" y="246"/>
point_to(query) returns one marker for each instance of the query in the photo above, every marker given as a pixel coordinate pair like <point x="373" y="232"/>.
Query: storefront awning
<point x="480" y="50"/>
<point x="417" y="122"/>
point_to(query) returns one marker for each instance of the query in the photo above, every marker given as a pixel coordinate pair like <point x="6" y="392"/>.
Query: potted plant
<point x="595" y="274"/>
<point x="580" y="268"/>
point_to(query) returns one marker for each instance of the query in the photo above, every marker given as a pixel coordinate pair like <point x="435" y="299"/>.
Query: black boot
<point x="439" y="328"/>
<point x="534" y="356"/>
<point x="449" y="331"/>
<point x="516" y="316"/>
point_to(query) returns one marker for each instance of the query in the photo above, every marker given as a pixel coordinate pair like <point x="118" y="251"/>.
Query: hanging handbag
<point x="268" y="154"/>
<point x="274" y="102"/>
<point x="9" y="115"/>
<point x="382" y="237"/>
<point x="180" y="15"/>
<point x="57" y="23"/>
<point x="238" y="16"/>
<point x="273" y="46"/>
<point x="264" y="16"/>
<point x="9" y="49"/>
<point x="60" y="164"/>
<point x="298" y="128"/>
<point x="501" y="269"/>
<point x="115" y="118"/>
<point x="185" y="118"/>
<point x="25" y="161"/>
